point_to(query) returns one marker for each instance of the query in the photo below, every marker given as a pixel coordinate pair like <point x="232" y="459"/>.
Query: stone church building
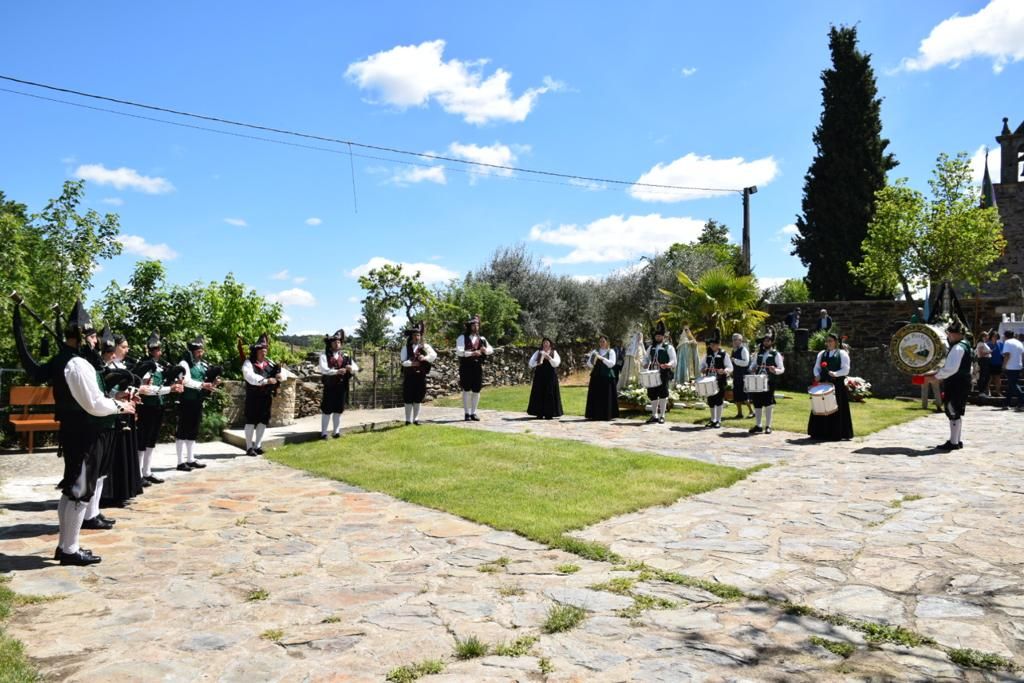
<point x="1008" y="196"/>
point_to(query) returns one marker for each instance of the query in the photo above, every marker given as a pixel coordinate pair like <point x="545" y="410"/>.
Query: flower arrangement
<point x="858" y="388"/>
<point x="679" y="396"/>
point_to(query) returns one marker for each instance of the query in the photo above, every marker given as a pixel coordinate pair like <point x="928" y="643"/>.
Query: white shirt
<point x="982" y="350"/>
<point x="844" y="363"/>
<point x="671" y="355"/>
<point x="150" y="389"/>
<point x="187" y="377"/>
<point x="780" y="362"/>
<point x="1015" y="350"/>
<point x="728" y="364"/>
<point x="429" y="358"/>
<point x="744" y="359"/>
<point x="461" y="343"/>
<point x="535" y="359"/>
<point x="326" y="369"/>
<point x="250" y="376"/>
<point x="607" y="356"/>
<point x="952" y="365"/>
<point x="81" y="379"/>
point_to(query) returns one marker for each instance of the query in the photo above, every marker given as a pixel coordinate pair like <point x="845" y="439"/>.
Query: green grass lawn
<point x="790" y="413"/>
<point x="15" y="667"/>
<point x="537" y="487"/>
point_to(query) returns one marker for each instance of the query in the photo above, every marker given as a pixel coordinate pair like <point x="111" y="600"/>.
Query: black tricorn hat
<point x="79" y="321"/>
<point x="154" y="340"/>
<point x="659" y="328"/>
<point x="260" y="343"/>
<point x="107" y="342"/>
<point x="338" y="335"/>
<point x="474" y="319"/>
<point x="418" y="328"/>
<point x="955" y="326"/>
<point x="197" y="343"/>
<point x="713" y="337"/>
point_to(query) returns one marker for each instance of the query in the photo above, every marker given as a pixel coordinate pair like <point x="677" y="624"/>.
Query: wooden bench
<point x="31" y="422"/>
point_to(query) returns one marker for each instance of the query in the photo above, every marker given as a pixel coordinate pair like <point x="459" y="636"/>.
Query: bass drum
<point x="917" y="349"/>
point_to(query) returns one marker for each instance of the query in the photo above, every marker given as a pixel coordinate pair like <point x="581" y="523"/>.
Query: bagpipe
<point x="36" y="371"/>
<point x="172" y="374"/>
<point x="481" y="347"/>
<point x="419" y="365"/>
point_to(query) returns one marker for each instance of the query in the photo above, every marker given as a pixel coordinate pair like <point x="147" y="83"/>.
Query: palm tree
<point x="719" y="299"/>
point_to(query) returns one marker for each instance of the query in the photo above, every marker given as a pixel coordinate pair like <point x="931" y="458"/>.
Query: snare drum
<point x="755" y="384"/>
<point x="650" y="379"/>
<point x="823" y="399"/>
<point x="707" y="386"/>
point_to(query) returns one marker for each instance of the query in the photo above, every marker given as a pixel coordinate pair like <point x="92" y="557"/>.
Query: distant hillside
<point x="302" y="340"/>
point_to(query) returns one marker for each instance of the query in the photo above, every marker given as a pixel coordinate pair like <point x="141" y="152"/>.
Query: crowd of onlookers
<point x="999" y="361"/>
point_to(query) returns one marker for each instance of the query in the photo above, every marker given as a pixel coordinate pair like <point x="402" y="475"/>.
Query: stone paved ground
<point x="358" y="582"/>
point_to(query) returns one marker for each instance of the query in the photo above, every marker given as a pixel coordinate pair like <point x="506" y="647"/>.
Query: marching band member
<point x="955" y="375"/>
<point x="740" y="365"/>
<point x="602" y="394"/>
<point x="661" y="356"/>
<point x="770" y="361"/>
<point x="150" y="413"/>
<point x="545" y="399"/>
<point x="336" y="370"/>
<point x="190" y="409"/>
<point x="832" y="364"/>
<point x="472" y="349"/>
<point x="261" y="377"/>
<point x="416" y="357"/>
<point x="124" y="479"/>
<point x="718" y="363"/>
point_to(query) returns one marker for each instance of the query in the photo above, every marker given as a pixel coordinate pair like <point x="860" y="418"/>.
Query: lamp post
<point x="747" y="191"/>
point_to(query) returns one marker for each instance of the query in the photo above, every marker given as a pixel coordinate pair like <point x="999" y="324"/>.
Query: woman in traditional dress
<point x="417" y="356"/>
<point x="602" y="394"/>
<point x="832" y="365"/>
<point x="545" y="399"/>
<point x="124" y="479"/>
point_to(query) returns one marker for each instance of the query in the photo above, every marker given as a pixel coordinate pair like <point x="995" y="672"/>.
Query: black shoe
<point x="97" y="523"/>
<point x="106" y="519"/>
<point x="651" y="420"/>
<point x="946" y="447"/>
<point x="336" y="436"/>
<point x="767" y="430"/>
<point x="416" y="422"/>
<point x="717" y="425"/>
<point x="153" y="480"/>
<point x="84" y="551"/>
<point x="324" y="437"/>
<point x="407" y="423"/>
<point x="661" y="420"/>
<point x="468" y="418"/>
<point x="196" y="465"/>
<point x="474" y="417"/>
<point x="145" y="484"/>
<point x="710" y="424"/>
<point x="258" y="451"/>
<point x="755" y="430"/>
<point x="960" y="445"/>
<point x="77" y="559"/>
<point x="250" y="451"/>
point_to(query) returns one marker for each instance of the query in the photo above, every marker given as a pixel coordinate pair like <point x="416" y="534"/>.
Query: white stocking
<point x="466" y="401"/>
<point x="260" y="429"/>
<point x="662" y="407"/>
<point x="70" y="517"/>
<point x="178" y="445"/>
<point x="757" y="417"/>
<point x="93" y="507"/>
<point x="474" y="402"/>
<point x="408" y="412"/>
<point x="416" y="411"/>
<point x="189" y="445"/>
<point x="337" y="422"/>
<point x="147" y="463"/>
<point x="325" y="419"/>
<point x="768" y="410"/>
<point x="249" y="429"/>
<point x="142" y="462"/>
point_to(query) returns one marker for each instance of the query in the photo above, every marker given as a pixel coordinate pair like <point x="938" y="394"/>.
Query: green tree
<point x="913" y="241"/>
<point x="849" y="167"/>
<point x="714" y="232"/>
<point x="720" y="299"/>
<point x="452" y="306"/>
<point x="792" y="291"/>
<point x="392" y="289"/>
<point x="373" y="326"/>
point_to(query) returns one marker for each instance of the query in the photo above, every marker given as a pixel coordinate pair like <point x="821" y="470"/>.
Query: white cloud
<point x="618" y="238"/>
<point x="293" y="297"/>
<point x="688" y="71"/>
<point x="237" y="222"/>
<point x="133" y="244"/>
<point x="280" y="275"/>
<point x="122" y="178"/>
<point x="313" y="221"/>
<point x="417" y="174"/>
<point x="696" y="171"/>
<point x="299" y="280"/>
<point x="788" y="230"/>
<point x="585" y="278"/>
<point x="429" y="272"/>
<point x="113" y="201"/>
<point x="768" y="282"/>
<point x="996" y="31"/>
<point x="412" y="75"/>
<point x="496" y="155"/>
<point x="354" y="299"/>
<point x="978" y="164"/>
<point x="589" y="185"/>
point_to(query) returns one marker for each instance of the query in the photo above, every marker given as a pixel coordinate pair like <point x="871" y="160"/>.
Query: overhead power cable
<point x="323" y="138"/>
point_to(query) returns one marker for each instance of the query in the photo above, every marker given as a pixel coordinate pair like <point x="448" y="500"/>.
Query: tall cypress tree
<point x="849" y="167"/>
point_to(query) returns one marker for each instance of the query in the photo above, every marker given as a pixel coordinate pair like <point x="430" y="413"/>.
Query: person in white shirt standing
<point x="336" y="371"/>
<point x="472" y="350"/>
<point x="261" y="377"/>
<point x="416" y="357"/>
<point x="1013" y="360"/>
<point x="955" y="375"/>
<point x="660" y="356"/>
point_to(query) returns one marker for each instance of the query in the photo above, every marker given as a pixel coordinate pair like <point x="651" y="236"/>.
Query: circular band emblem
<point x="916" y="349"/>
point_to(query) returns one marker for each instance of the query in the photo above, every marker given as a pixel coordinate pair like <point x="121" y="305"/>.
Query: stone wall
<point x="282" y="412"/>
<point x="871" y="324"/>
<point x="1010" y="202"/>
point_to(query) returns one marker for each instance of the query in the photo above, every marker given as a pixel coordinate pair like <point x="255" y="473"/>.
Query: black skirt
<point x="124" y="480"/>
<point x="190" y="414"/>
<point x="471" y="374"/>
<point x="151" y="417"/>
<point x="82" y="444"/>
<point x="257" y="405"/>
<point x="545" y="398"/>
<point x="602" y="395"/>
<point x="838" y="425"/>
<point x="414" y="386"/>
<point x="335" y="396"/>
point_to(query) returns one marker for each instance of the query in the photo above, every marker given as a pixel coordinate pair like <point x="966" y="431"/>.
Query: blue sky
<point x="692" y="94"/>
